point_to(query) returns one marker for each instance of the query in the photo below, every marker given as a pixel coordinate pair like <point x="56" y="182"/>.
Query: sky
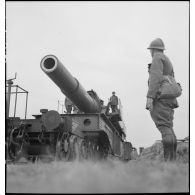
<point x="104" y="45"/>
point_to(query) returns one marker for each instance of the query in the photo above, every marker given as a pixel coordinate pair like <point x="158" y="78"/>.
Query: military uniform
<point x="162" y="112"/>
<point x="114" y="102"/>
<point x="68" y="105"/>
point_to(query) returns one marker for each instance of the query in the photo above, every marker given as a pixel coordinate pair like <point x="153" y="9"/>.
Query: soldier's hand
<point x="149" y="104"/>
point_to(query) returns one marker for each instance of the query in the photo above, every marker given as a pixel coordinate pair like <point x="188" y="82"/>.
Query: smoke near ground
<point x="111" y="176"/>
<point x="148" y="173"/>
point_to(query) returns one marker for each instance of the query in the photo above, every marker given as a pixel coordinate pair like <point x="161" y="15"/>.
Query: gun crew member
<point x="113" y="102"/>
<point x="68" y="105"/>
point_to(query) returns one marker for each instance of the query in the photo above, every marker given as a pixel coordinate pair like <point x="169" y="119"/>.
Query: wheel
<point x="84" y="151"/>
<point x="103" y="152"/>
<point x="63" y="147"/>
<point x="96" y="152"/>
<point x="15" y="146"/>
<point x="79" y="148"/>
<point x="74" y="148"/>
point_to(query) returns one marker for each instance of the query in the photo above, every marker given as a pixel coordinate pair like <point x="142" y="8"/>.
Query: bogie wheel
<point x="15" y="147"/>
<point x="96" y="152"/>
<point x="15" y="151"/>
<point x="84" y="151"/>
<point x="103" y="152"/>
<point x="63" y="147"/>
<point x="79" y="149"/>
<point x="75" y="148"/>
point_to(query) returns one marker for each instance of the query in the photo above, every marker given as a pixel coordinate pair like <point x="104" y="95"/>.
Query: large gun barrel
<point x="69" y="85"/>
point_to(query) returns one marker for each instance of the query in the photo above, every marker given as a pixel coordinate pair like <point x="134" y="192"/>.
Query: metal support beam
<point x="26" y="104"/>
<point x="15" y="101"/>
<point x="8" y="96"/>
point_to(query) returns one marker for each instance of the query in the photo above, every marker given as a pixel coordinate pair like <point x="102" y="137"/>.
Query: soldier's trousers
<point x="162" y="115"/>
<point x="114" y="108"/>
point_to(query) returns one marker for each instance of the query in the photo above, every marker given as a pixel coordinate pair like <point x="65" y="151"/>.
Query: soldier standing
<point x="103" y="107"/>
<point x="161" y="110"/>
<point x="113" y="102"/>
<point x="68" y="105"/>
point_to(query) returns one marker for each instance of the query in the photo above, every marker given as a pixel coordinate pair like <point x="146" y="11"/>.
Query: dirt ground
<point x="111" y="176"/>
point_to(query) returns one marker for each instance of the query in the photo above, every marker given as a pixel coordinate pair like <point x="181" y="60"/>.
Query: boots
<point x="169" y="143"/>
<point x="169" y="146"/>
<point x="174" y="147"/>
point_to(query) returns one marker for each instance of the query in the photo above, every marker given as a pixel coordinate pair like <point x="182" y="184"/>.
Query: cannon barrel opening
<point x="69" y="85"/>
<point x="49" y="64"/>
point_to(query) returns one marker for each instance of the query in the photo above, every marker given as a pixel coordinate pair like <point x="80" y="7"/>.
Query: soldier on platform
<point x="113" y="102"/>
<point x="68" y="105"/>
<point x="104" y="108"/>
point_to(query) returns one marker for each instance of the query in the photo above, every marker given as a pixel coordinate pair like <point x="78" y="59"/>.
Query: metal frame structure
<point x="16" y="97"/>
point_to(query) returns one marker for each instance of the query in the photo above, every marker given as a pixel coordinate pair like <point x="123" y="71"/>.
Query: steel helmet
<point x="157" y="44"/>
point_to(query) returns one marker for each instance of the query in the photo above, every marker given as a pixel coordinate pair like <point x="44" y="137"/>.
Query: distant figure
<point x="113" y="102"/>
<point x="75" y="110"/>
<point x="161" y="110"/>
<point x="68" y="105"/>
<point x="103" y="107"/>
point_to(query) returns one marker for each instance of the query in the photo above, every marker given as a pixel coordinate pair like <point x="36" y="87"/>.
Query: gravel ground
<point x="112" y="176"/>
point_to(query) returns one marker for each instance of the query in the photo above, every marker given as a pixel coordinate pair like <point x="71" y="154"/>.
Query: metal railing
<point x="18" y="90"/>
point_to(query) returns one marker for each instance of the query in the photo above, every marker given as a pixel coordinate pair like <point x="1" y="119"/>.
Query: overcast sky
<point x="103" y="45"/>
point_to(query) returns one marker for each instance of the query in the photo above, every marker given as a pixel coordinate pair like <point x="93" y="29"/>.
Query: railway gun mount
<point x="93" y="133"/>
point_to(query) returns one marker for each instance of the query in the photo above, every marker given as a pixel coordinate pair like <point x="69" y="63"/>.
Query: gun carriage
<point x="92" y="133"/>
